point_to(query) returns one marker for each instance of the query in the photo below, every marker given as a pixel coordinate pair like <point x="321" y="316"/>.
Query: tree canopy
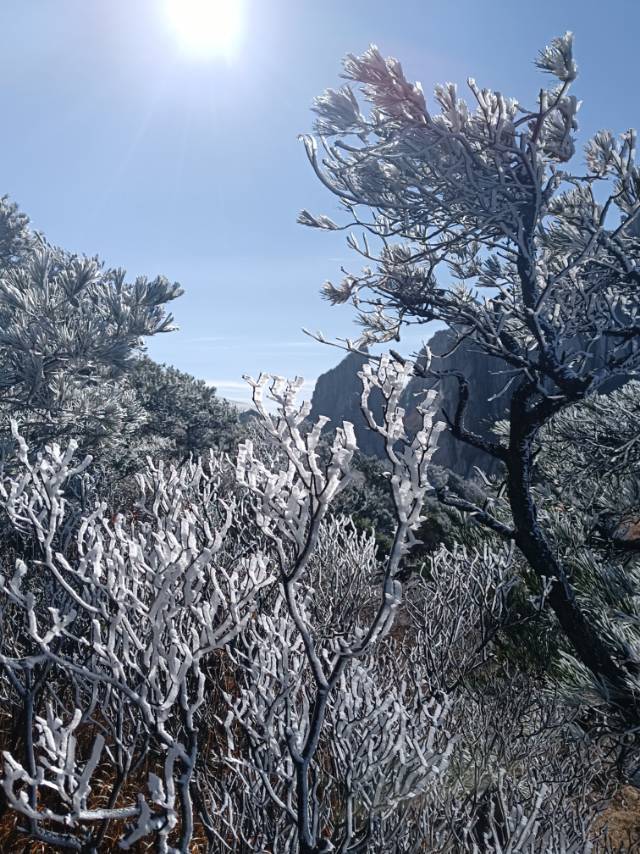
<point x="69" y="329"/>
<point x="476" y="216"/>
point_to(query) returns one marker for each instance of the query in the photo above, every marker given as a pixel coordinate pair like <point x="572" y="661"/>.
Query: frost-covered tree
<point x="592" y="452"/>
<point x="68" y="330"/>
<point x="182" y="412"/>
<point x="16" y="238"/>
<point x="473" y="217"/>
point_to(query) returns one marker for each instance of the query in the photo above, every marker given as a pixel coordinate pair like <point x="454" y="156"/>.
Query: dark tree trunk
<point x="589" y="646"/>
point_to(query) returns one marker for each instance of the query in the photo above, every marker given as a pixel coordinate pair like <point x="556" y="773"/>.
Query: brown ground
<point x="622" y="820"/>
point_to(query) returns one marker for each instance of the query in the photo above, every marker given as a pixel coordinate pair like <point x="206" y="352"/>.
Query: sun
<point x="206" y="28"/>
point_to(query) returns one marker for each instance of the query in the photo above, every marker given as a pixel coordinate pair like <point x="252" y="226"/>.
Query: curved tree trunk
<point x="590" y="648"/>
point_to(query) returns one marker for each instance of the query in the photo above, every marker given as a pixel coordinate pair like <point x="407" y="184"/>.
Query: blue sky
<point x="117" y="142"/>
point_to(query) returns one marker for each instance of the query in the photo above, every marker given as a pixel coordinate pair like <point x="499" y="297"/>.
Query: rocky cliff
<point x="337" y="395"/>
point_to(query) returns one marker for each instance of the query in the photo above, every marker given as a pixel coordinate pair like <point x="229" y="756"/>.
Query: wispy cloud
<point x="209" y="339"/>
<point x="234" y="384"/>
<point x="242" y="340"/>
<point x="237" y="390"/>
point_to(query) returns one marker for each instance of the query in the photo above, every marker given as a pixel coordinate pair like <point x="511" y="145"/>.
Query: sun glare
<point x="206" y="28"/>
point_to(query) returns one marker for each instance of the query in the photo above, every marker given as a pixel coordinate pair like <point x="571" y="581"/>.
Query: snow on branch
<point x="231" y="657"/>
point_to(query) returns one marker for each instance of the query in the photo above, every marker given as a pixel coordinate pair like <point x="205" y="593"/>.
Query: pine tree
<point x="473" y="217"/>
<point x="69" y="329"/>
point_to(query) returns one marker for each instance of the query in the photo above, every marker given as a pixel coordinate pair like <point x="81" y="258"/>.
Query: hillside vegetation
<point x="255" y="637"/>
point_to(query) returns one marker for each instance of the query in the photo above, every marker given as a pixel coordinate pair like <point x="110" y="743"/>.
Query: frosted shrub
<point x="131" y="613"/>
<point x="231" y="667"/>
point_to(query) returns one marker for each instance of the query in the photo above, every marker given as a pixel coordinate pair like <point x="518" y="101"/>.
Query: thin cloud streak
<point x="241" y="340"/>
<point x="232" y="389"/>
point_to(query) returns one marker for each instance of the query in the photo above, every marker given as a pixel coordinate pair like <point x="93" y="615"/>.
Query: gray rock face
<point x="337" y="395"/>
<point x="486" y="376"/>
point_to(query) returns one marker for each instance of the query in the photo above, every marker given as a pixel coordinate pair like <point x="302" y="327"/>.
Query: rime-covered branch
<point x="473" y="215"/>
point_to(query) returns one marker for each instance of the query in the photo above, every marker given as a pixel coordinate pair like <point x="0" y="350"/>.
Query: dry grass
<point x="14" y="841"/>
<point x="622" y="820"/>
